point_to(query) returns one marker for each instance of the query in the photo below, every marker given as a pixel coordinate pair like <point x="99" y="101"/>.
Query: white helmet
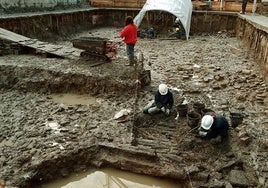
<point x="207" y="122"/>
<point x="163" y="89"/>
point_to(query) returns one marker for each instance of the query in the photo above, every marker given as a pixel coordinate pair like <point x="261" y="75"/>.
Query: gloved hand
<point x="167" y="112"/>
<point x="163" y="109"/>
<point x="202" y="133"/>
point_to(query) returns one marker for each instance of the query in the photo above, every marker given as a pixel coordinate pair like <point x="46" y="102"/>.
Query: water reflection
<point x="73" y="99"/>
<point x="111" y="178"/>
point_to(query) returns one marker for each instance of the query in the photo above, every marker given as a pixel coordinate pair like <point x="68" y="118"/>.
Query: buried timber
<point x="42" y="140"/>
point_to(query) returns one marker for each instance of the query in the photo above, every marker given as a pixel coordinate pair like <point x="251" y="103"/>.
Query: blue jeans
<point x="130" y="51"/>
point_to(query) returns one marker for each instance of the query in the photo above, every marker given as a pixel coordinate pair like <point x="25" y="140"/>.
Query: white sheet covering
<point x="182" y="9"/>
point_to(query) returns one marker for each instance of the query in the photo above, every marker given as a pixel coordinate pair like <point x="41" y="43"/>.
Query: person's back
<point x="129" y="33"/>
<point x="164" y="100"/>
<point x="220" y="127"/>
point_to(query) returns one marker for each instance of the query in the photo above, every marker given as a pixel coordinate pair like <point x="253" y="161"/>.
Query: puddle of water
<point x="111" y="178"/>
<point x="73" y="99"/>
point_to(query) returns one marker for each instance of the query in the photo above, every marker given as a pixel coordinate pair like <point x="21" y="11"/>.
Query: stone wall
<point x="213" y="21"/>
<point x="264" y="8"/>
<point x="255" y="39"/>
<point x="58" y="24"/>
<point x="47" y="26"/>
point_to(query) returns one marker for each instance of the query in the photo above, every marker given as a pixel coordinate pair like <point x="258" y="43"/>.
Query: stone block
<point x="238" y="178"/>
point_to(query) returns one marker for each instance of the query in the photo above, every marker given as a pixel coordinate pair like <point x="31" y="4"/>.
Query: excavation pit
<point x="42" y="140"/>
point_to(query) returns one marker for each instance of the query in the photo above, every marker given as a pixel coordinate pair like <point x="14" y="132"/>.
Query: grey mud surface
<point x="38" y="137"/>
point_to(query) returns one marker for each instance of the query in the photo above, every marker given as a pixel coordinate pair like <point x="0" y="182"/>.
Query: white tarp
<point x="182" y="9"/>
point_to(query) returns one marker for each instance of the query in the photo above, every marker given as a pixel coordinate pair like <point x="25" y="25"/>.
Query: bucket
<point x="182" y="109"/>
<point x="206" y="110"/>
<point x="193" y="119"/>
<point x="198" y="107"/>
<point x="236" y="119"/>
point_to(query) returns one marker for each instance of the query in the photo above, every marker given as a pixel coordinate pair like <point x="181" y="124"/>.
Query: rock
<point x="220" y="166"/>
<point x="230" y="154"/>
<point x="228" y="185"/>
<point x="263" y="143"/>
<point x="218" y="78"/>
<point x="192" y="169"/>
<point x="201" y="176"/>
<point x="261" y="180"/>
<point x="247" y="72"/>
<point x="216" y="87"/>
<point x="245" y="140"/>
<point x="217" y="183"/>
<point x="238" y="178"/>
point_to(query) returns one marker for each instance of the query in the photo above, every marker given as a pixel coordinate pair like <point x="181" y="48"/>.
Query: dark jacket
<point x="220" y="127"/>
<point x="164" y="100"/>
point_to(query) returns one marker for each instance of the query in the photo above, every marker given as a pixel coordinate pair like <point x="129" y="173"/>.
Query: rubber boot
<point x="148" y="106"/>
<point x="153" y="110"/>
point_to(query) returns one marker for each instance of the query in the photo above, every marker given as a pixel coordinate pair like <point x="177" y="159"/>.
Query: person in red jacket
<point x="129" y="35"/>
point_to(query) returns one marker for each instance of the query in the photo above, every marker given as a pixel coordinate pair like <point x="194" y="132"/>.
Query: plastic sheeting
<point x="182" y="9"/>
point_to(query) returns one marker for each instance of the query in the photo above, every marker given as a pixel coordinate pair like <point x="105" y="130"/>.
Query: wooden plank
<point x="57" y="50"/>
<point x="118" y="3"/>
<point x="237" y="6"/>
<point x="102" y="3"/>
<point x="91" y="44"/>
<point x="129" y="3"/>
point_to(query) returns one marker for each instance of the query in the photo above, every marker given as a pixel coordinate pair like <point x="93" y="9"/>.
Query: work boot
<point x="153" y="110"/>
<point x="131" y="63"/>
<point x="128" y="64"/>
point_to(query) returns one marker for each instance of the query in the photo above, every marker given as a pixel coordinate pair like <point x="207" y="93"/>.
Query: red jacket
<point x="129" y="33"/>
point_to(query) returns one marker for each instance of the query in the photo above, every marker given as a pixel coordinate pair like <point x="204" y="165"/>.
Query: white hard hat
<point x="207" y="122"/>
<point x="177" y="19"/>
<point x="163" y="89"/>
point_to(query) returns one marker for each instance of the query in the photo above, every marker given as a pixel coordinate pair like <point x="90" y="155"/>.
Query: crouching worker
<point x="163" y="101"/>
<point x="214" y="126"/>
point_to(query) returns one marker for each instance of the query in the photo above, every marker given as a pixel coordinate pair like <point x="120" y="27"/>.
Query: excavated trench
<point x="42" y="140"/>
<point x="56" y="140"/>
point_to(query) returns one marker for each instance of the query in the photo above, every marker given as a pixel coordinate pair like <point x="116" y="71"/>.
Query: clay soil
<point x="41" y="140"/>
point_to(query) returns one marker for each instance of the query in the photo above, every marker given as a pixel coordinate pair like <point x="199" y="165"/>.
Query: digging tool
<point x="182" y="136"/>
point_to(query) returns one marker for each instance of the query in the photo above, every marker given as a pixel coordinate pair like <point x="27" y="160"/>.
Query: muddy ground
<point x="41" y="140"/>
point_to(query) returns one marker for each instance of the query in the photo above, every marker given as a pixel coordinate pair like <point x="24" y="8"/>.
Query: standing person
<point x="163" y="101"/>
<point x="244" y="6"/>
<point x="129" y="35"/>
<point x="214" y="125"/>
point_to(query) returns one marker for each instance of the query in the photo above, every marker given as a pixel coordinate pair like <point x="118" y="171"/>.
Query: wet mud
<point x="42" y="140"/>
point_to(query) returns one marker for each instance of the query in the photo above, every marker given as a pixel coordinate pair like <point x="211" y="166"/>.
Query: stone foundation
<point x="254" y="37"/>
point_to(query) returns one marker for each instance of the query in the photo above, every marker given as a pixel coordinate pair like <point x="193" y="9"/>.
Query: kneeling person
<point x="163" y="101"/>
<point x="214" y="125"/>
